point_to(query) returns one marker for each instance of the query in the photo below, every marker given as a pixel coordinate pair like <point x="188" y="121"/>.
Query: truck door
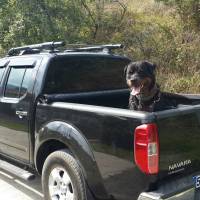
<point x="15" y="107"/>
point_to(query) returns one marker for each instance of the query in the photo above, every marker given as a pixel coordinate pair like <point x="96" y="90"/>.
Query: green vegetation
<point x="163" y="31"/>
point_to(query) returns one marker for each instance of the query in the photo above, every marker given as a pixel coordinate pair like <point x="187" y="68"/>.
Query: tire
<point x="62" y="178"/>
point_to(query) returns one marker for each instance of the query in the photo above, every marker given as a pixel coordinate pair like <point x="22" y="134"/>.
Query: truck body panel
<point x="95" y="125"/>
<point x="109" y="133"/>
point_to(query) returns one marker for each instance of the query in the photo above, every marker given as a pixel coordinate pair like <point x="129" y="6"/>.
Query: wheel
<point x="62" y="178"/>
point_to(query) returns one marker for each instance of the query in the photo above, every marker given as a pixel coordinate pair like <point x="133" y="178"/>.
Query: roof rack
<point x="36" y="48"/>
<point x="51" y="47"/>
<point x="105" y="48"/>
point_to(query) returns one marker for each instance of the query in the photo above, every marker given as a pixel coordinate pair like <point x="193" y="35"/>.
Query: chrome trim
<point x="21" y="114"/>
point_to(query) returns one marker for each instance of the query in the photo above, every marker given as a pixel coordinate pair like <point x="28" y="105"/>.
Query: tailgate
<point x="179" y="136"/>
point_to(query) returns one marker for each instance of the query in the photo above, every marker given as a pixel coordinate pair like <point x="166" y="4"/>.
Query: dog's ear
<point x="148" y="66"/>
<point x="154" y="66"/>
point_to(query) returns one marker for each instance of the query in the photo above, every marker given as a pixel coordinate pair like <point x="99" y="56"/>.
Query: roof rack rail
<point x="105" y="48"/>
<point x="36" y="48"/>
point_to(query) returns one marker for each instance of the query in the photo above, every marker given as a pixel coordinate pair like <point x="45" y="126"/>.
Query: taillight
<point x="146" y="148"/>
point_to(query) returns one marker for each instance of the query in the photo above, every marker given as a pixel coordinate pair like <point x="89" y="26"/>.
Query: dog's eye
<point x="131" y="72"/>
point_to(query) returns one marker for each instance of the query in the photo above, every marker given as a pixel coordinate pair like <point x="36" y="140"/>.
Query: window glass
<point x="2" y="69"/>
<point x="85" y="74"/>
<point x="14" y="82"/>
<point x="17" y="83"/>
<point x="26" y="81"/>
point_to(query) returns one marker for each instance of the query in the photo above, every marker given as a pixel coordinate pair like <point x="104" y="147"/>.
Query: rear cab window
<point x="85" y="74"/>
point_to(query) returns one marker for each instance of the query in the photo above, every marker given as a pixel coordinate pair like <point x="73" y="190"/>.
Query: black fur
<point x="139" y="70"/>
<point x="161" y="100"/>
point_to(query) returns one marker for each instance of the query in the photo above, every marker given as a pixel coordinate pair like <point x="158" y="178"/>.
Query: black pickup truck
<point x="65" y="116"/>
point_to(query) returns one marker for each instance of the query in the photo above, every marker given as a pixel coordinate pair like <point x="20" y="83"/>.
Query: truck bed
<point x="110" y="134"/>
<point x="113" y="98"/>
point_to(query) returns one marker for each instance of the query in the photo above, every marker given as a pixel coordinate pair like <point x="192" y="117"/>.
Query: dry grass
<point x="166" y="41"/>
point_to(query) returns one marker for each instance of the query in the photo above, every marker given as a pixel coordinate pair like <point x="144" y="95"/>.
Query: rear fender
<point x="74" y="140"/>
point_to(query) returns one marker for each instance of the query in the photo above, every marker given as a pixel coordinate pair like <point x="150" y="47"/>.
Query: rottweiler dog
<point x="145" y="94"/>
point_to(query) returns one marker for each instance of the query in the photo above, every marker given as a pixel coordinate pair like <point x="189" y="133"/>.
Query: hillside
<point x="167" y="34"/>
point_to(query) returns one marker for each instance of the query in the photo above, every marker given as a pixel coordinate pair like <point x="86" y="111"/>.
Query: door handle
<point x="21" y="114"/>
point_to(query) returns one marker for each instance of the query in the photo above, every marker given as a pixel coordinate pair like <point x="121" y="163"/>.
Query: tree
<point x="26" y="22"/>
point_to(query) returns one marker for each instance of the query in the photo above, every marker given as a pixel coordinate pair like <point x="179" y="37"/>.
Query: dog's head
<point x="140" y="77"/>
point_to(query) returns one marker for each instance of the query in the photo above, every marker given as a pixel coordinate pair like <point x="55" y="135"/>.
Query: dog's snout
<point x="135" y="82"/>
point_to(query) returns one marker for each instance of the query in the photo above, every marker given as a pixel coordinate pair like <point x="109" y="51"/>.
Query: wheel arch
<point x="45" y="150"/>
<point x="59" y="135"/>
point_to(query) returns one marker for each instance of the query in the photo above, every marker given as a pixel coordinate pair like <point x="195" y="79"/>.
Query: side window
<point x="25" y="82"/>
<point x="2" y="69"/>
<point x="17" y="83"/>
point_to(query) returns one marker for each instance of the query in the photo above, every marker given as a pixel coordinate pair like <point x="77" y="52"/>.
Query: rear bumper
<point x="189" y="194"/>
